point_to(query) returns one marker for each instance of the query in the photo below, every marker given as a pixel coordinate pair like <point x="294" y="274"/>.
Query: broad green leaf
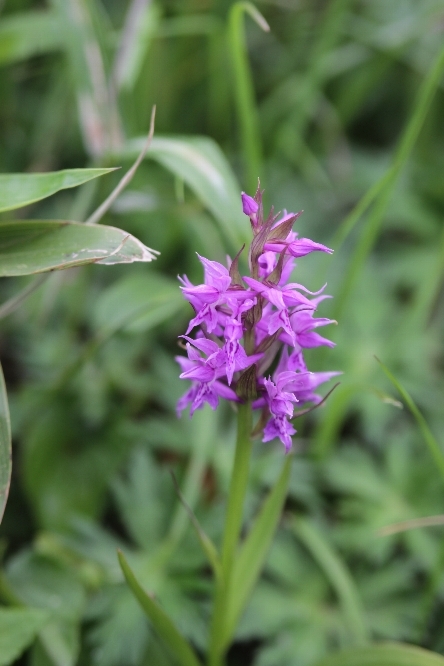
<point x="5" y="446"/>
<point x="387" y="654"/>
<point x="251" y="558"/>
<point x="200" y="163"/>
<point x="161" y="622"/>
<point x="36" y="246"/>
<point x="434" y="447"/>
<point x="21" y="189"/>
<point x="18" y="629"/>
<point x="28" y="34"/>
<point x="138" y="302"/>
<point x="338" y="576"/>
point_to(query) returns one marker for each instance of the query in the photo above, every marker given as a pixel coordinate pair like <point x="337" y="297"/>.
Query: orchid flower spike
<point x="243" y="326"/>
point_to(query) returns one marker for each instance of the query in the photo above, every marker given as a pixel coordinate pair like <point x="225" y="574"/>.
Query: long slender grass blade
<point x="432" y="444"/>
<point x="160" y="620"/>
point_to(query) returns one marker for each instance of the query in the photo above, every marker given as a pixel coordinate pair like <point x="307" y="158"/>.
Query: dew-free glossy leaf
<point x="387" y="654"/>
<point x="18" y="629"/>
<point x="36" y="246"/>
<point x="200" y="163"/>
<point x="21" y="189"/>
<point x="28" y="34"/>
<point x="5" y="446"/>
<point x="161" y="622"/>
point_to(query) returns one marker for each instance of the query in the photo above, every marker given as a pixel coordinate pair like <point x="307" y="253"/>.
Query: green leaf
<point x="137" y="303"/>
<point x="18" y="629"/>
<point x="161" y="622"/>
<point x="338" y="576"/>
<point x="5" y="446"/>
<point x="36" y="246"/>
<point x="28" y="34"/>
<point x="21" y="189"/>
<point x="387" y="654"/>
<point x="201" y="164"/>
<point x="251" y="558"/>
<point x="434" y="447"/>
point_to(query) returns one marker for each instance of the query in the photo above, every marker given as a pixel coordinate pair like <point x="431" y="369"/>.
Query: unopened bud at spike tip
<point x="249" y="205"/>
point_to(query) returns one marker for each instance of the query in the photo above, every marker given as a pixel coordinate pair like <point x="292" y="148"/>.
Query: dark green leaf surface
<point x="36" y="246"/>
<point x="18" y="629"/>
<point x="5" y="446"/>
<point x="21" y="189"/>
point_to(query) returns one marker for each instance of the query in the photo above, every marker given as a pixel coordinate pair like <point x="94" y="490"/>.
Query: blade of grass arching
<point x="338" y="576"/>
<point x="253" y="552"/>
<point x="5" y="446"/>
<point x="408" y="139"/>
<point x="432" y="444"/>
<point x="162" y="624"/>
<point x="244" y="90"/>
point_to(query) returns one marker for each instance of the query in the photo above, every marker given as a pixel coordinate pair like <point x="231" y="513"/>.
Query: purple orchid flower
<point x="216" y="291"/>
<point x="246" y="331"/>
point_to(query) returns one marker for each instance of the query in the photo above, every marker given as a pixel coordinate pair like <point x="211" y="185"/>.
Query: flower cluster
<point x="245" y="325"/>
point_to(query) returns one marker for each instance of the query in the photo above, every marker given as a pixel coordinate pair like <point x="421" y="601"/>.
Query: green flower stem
<point x="233" y="524"/>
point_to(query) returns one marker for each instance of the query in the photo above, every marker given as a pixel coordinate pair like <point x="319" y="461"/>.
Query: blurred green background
<point x="339" y="109"/>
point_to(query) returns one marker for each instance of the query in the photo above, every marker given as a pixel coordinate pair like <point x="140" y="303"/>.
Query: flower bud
<point x="249" y="206"/>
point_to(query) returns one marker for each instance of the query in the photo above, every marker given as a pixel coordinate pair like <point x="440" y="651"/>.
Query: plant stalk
<point x="233" y="525"/>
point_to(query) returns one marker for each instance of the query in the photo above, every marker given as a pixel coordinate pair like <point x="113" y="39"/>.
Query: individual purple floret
<point x="244" y="327"/>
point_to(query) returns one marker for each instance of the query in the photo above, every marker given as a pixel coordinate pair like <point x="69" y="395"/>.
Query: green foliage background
<point x="339" y="109"/>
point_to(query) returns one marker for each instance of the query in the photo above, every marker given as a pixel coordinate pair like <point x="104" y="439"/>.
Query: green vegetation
<point x="339" y="106"/>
